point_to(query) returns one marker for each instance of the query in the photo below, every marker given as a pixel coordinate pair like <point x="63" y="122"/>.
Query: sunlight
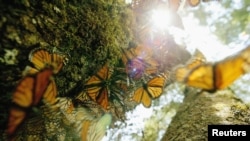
<point x="128" y="1"/>
<point x="161" y="18"/>
<point x="194" y="36"/>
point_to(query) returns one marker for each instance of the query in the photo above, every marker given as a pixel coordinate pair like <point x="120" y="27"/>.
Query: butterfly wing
<point x="50" y="93"/>
<point x="146" y="100"/>
<point x="197" y="60"/>
<point x="23" y="95"/>
<point x="28" y="93"/>
<point x="98" y="128"/>
<point x="181" y="73"/>
<point x="155" y="86"/>
<point x="229" y="70"/>
<point x="102" y="98"/>
<point x="16" y="117"/>
<point x="42" y="82"/>
<point x="201" y="77"/>
<point x="29" y="70"/>
<point x="97" y="87"/>
<point x="94" y="85"/>
<point x="193" y="2"/>
<point x="57" y="61"/>
<point x="41" y="58"/>
<point x="141" y="96"/>
<point x="85" y="129"/>
<point x="217" y="76"/>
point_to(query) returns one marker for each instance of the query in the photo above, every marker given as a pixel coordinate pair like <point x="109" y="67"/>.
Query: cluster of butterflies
<point x="37" y="113"/>
<point x="213" y="76"/>
<point x="35" y="101"/>
<point x="137" y="79"/>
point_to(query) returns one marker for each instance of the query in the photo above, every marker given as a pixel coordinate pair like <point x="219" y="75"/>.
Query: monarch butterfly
<point x="193" y="2"/>
<point x="139" y="61"/>
<point x="198" y="59"/>
<point x="176" y="5"/>
<point x="42" y="58"/>
<point x="140" y="51"/>
<point x="221" y="74"/>
<point x="82" y="96"/>
<point x="28" y="93"/>
<point x="182" y="72"/>
<point x="152" y="89"/>
<point x="197" y="2"/>
<point x="97" y="86"/>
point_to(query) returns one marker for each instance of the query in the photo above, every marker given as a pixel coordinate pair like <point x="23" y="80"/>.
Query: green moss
<point x="90" y="33"/>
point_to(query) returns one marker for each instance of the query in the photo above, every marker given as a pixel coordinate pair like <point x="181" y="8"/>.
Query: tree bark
<point x="201" y="109"/>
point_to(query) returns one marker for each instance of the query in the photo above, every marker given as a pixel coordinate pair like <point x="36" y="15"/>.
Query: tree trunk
<point x="201" y="109"/>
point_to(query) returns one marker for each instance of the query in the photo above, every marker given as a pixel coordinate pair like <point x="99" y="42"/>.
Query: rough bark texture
<point x="201" y="109"/>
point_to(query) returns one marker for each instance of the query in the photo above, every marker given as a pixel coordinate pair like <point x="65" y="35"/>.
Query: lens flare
<point x="161" y="18"/>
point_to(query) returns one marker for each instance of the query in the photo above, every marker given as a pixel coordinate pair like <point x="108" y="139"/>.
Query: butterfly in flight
<point x="221" y="74"/>
<point x="182" y="71"/>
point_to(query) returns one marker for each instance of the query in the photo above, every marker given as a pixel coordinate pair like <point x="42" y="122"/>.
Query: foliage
<point x="227" y="23"/>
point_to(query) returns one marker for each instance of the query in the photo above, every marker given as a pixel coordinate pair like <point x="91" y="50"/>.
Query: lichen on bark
<point x="200" y="109"/>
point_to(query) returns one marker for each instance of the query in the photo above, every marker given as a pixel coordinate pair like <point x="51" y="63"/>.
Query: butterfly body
<point x="97" y="86"/>
<point x="150" y="90"/>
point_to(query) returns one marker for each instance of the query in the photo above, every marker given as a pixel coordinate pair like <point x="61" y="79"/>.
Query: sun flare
<point x="161" y="18"/>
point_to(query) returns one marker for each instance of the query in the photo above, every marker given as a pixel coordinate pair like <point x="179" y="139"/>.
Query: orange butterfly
<point x="139" y="61"/>
<point x="197" y="2"/>
<point x="140" y="51"/>
<point x="51" y="92"/>
<point x="193" y="2"/>
<point x="97" y="86"/>
<point x="221" y="74"/>
<point x="175" y="5"/>
<point x="41" y="58"/>
<point x="36" y="84"/>
<point x="182" y="72"/>
<point x="28" y="93"/>
<point x="152" y="89"/>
